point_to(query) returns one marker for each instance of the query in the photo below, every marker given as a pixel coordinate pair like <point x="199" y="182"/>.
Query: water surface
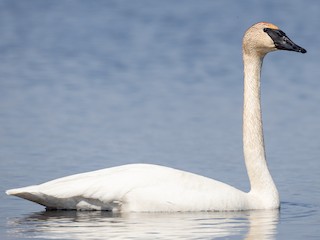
<point x="86" y="85"/>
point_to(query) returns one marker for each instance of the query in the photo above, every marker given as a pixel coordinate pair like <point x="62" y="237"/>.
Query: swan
<point x="154" y="188"/>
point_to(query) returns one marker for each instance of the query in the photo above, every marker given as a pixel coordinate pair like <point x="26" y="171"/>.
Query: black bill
<point x="282" y="42"/>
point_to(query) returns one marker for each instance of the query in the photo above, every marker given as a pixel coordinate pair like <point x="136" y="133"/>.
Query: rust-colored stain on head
<point x="268" y="25"/>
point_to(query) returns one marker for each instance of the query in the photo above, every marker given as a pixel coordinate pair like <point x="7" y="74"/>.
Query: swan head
<point x="264" y="37"/>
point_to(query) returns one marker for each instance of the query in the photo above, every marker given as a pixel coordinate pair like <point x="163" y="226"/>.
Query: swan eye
<point x="265" y="29"/>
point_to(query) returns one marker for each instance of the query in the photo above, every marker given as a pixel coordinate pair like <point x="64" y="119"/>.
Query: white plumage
<point x="153" y="188"/>
<point x="135" y="187"/>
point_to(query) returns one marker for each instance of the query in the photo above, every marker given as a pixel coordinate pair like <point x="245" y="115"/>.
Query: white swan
<point x="153" y="188"/>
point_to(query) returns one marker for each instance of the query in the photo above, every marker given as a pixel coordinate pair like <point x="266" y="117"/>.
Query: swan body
<point x="154" y="188"/>
<point x="138" y="188"/>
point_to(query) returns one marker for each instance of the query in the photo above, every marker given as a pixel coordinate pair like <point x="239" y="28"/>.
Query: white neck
<point x="253" y="143"/>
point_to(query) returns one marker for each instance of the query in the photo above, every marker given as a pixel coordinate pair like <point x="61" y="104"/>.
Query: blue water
<point x="86" y="85"/>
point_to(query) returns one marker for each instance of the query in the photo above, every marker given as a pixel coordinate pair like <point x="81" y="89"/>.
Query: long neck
<point x="253" y="142"/>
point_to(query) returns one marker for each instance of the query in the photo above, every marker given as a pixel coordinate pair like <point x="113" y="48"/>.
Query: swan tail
<point x="30" y="193"/>
<point x="20" y="191"/>
<point x="55" y="202"/>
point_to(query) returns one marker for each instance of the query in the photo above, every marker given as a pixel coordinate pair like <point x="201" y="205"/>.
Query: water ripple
<point x="101" y="225"/>
<point x="291" y="211"/>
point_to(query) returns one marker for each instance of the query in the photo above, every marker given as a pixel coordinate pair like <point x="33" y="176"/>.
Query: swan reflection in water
<point x="259" y="224"/>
